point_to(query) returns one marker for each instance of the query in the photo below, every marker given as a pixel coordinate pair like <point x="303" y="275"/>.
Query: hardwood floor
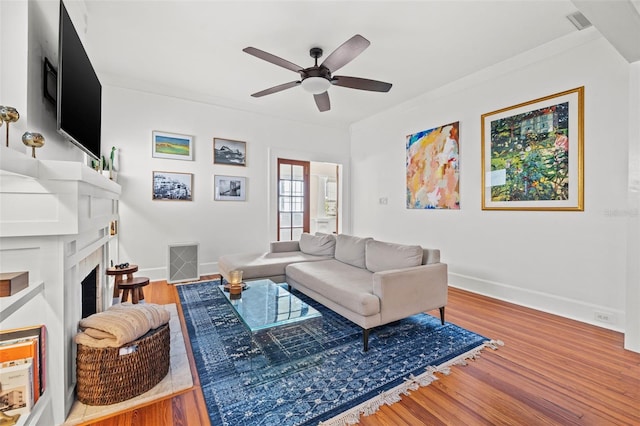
<point x="551" y="371"/>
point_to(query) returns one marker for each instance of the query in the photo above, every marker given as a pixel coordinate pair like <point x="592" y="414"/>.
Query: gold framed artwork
<point x="533" y="154"/>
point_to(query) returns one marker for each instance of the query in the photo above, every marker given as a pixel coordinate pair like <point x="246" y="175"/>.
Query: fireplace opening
<point x="90" y="293"/>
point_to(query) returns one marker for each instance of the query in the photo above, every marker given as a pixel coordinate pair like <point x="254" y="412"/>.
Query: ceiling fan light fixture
<point x="315" y="85"/>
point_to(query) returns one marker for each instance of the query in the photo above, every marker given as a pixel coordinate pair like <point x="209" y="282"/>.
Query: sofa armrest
<point x="284" y="246"/>
<point x="408" y="291"/>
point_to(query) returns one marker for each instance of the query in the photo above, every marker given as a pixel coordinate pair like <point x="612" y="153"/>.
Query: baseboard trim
<point x="160" y="274"/>
<point x="561" y="306"/>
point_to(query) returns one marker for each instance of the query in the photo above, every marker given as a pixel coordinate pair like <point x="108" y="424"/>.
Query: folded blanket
<point x="120" y="324"/>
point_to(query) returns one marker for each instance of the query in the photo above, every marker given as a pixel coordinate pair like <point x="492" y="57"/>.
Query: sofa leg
<point x="365" y="338"/>
<point x="442" y="315"/>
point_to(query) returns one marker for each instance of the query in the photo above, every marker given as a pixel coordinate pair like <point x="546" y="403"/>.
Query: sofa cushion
<point x="261" y="265"/>
<point x="381" y="256"/>
<point x="345" y="285"/>
<point x="318" y="245"/>
<point x="351" y="250"/>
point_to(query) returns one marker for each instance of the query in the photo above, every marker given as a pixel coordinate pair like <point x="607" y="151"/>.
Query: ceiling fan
<point x="318" y="78"/>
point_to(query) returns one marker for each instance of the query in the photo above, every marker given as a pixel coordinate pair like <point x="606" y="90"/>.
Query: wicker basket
<point x="105" y="376"/>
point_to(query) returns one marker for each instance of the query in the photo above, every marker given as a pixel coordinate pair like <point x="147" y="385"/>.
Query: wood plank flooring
<point x="551" y="371"/>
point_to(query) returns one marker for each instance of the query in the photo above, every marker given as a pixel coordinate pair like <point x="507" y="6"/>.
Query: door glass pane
<point x="285" y="187"/>
<point x="285" y="204"/>
<point x="285" y="171"/>
<point x="296" y="234"/>
<point x="297" y="204"/>
<point x="298" y="173"/>
<point x="297" y="219"/>
<point x="285" y="220"/>
<point x="297" y="188"/>
<point x="285" y="234"/>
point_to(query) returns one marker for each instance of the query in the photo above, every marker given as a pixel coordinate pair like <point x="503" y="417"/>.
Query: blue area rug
<point x="314" y="372"/>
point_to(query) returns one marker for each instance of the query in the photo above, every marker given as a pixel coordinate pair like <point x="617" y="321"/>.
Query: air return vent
<point x="579" y="20"/>
<point x="183" y="263"/>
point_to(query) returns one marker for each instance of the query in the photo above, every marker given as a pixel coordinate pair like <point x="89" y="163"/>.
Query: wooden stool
<point x="119" y="274"/>
<point x="133" y="286"/>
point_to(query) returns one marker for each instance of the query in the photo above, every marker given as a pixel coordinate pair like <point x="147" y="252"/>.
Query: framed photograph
<point x="433" y="170"/>
<point x="229" y="188"/>
<point x="229" y="152"/>
<point x="172" y="145"/>
<point x="172" y="186"/>
<point x="532" y="154"/>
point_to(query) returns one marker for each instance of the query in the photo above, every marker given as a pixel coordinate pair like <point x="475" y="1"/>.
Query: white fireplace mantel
<point x="55" y="221"/>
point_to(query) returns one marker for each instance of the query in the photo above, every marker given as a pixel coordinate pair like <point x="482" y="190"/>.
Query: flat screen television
<point x="79" y="108"/>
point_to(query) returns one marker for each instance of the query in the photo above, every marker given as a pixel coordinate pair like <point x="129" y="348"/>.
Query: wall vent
<point x="183" y="263"/>
<point x="579" y="20"/>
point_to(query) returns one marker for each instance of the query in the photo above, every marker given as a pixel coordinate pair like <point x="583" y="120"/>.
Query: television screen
<point x="79" y="91"/>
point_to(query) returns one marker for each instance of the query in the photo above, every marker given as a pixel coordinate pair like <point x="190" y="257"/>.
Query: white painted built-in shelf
<point x="10" y="304"/>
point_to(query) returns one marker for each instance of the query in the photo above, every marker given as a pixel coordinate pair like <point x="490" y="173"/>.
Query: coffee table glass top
<point x="265" y="304"/>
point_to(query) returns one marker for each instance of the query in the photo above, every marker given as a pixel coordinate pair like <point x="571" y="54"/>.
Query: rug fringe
<point x="412" y="383"/>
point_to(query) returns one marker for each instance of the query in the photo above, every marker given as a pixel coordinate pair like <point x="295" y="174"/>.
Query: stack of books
<point x="22" y="372"/>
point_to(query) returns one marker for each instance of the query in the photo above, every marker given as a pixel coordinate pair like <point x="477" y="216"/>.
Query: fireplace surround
<point x="55" y="223"/>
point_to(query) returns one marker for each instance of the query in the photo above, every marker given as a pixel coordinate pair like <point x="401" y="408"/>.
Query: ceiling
<point x="193" y="49"/>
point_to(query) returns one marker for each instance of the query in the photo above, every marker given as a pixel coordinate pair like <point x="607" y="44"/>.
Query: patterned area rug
<point x="314" y="372"/>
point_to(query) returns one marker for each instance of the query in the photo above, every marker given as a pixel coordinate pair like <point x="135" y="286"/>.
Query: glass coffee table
<point x="264" y="305"/>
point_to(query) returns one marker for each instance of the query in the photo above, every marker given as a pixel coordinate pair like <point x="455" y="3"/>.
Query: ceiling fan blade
<point x="322" y="101"/>
<point x="272" y="58"/>
<point x="346" y="52"/>
<point x="276" y="89"/>
<point x="361" y="83"/>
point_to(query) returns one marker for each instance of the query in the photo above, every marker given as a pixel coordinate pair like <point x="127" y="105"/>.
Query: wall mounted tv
<point x="79" y="90"/>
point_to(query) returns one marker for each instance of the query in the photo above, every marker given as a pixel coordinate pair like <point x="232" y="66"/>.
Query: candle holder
<point x="9" y="115"/>
<point x="33" y="140"/>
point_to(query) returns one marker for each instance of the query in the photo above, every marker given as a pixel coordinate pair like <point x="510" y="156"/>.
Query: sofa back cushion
<point x="318" y="245"/>
<point x="381" y="256"/>
<point x="351" y="250"/>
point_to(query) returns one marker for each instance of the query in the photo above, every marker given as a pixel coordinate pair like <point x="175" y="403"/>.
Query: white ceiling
<point x="193" y="49"/>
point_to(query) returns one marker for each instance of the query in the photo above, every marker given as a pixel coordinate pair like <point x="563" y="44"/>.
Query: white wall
<point x="571" y="263"/>
<point x="147" y="227"/>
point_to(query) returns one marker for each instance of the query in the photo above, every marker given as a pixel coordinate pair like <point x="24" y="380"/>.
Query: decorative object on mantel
<point x="34" y="140"/>
<point x="9" y="115"/>
<point x="13" y="282"/>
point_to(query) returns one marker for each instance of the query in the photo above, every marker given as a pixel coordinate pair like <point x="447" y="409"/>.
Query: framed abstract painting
<point x="532" y="154"/>
<point x="433" y="169"/>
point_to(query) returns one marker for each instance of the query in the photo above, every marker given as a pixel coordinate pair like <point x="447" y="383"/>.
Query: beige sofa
<point x="369" y="282"/>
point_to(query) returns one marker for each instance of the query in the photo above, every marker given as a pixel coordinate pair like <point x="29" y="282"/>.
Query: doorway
<point x="293" y="199"/>
<point x="308" y="198"/>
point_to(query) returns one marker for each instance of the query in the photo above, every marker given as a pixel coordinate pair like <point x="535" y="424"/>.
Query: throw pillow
<point x="382" y="256"/>
<point x="351" y="250"/>
<point x="318" y="245"/>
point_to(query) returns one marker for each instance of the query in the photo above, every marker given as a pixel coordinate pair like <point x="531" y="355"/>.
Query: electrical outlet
<point x="383" y="200"/>
<point x="604" y="317"/>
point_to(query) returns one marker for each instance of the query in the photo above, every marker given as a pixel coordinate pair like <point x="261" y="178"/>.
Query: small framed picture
<point x="229" y="188"/>
<point x="229" y="152"/>
<point x="172" y="146"/>
<point x="171" y="186"/>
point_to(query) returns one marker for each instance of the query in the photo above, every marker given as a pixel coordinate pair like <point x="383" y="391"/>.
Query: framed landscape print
<point x="172" y="186"/>
<point x="532" y="154"/>
<point x="172" y="145"/>
<point x="229" y="188"/>
<point x="230" y="152"/>
<point x="433" y="171"/>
